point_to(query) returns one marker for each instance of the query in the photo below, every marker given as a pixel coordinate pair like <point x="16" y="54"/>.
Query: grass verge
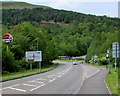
<point x="112" y="81"/>
<point x="25" y="73"/>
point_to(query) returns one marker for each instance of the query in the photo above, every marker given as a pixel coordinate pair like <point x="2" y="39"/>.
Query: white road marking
<point x="14" y="85"/>
<point x="51" y="76"/>
<point x="80" y="87"/>
<point x="17" y="89"/>
<point x="59" y="75"/>
<point x="37" y="87"/>
<point x="36" y="81"/>
<point x="107" y="88"/>
<point x="42" y="79"/>
<point x="52" y="80"/>
<point x="29" y="85"/>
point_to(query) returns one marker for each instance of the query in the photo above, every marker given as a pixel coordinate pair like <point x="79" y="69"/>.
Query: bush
<point x="102" y="61"/>
<point x="8" y="62"/>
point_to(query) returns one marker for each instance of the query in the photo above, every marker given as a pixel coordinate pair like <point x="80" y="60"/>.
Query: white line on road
<point x="37" y="87"/>
<point x="52" y="80"/>
<point x="42" y="79"/>
<point x="17" y="89"/>
<point x="36" y="81"/>
<point x="14" y="85"/>
<point x="51" y="76"/>
<point x="59" y="75"/>
<point x="29" y="85"/>
<point x="107" y="88"/>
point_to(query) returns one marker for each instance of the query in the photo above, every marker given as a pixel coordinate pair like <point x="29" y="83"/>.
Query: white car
<point x="75" y="63"/>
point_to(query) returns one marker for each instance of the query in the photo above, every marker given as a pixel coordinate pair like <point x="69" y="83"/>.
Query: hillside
<point x="19" y="5"/>
<point x="57" y="32"/>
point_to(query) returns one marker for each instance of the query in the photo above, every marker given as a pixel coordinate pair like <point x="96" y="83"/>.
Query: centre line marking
<point x="52" y="80"/>
<point x="17" y="89"/>
<point x="37" y="87"/>
<point x="29" y="85"/>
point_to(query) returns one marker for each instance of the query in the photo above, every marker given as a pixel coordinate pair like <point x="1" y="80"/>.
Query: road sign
<point x="35" y="55"/>
<point x="7" y="38"/>
<point x="115" y="50"/>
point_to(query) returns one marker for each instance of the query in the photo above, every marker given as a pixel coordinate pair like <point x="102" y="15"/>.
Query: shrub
<point x="102" y="61"/>
<point x="8" y="62"/>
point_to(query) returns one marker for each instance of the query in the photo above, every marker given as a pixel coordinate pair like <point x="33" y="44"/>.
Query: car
<point x="75" y="63"/>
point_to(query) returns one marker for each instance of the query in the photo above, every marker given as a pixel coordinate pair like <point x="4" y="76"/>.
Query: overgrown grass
<point x="112" y="81"/>
<point x="24" y="73"/>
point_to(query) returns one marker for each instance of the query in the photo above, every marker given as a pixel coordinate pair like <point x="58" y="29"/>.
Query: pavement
<point x="95" y="84"/>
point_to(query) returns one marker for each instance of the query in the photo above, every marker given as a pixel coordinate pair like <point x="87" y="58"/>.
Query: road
<point x="65" y="79"/>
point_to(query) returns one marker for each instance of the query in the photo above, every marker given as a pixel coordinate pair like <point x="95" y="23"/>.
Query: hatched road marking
<point x="37" y="87"/>
<point x="52" y="80"/>
<point x="29" y="85"/>
<point x="17" y="89"/>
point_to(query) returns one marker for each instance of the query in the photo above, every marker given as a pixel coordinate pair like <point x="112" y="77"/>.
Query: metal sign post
<point x="7" y="47"/>
<point x="39" y="65"/>
<point x="115" y="52"/>
<point x="30" y="61"/>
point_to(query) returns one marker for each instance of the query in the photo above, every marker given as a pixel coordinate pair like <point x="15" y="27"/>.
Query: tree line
<point x="58" y="32"/>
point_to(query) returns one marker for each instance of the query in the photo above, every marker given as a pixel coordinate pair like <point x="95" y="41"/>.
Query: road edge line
<point x="107" y="88"/>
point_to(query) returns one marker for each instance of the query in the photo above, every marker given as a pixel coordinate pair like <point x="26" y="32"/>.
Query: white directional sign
<point x="36" y="56"/>
<point x="115" y="50"/>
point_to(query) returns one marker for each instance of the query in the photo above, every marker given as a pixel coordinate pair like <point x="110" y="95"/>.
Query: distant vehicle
<point x="63" y="57"/>
<point x="75" y="63"/>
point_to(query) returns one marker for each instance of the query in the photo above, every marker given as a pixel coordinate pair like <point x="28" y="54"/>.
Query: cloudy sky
<point x="95" y="7"/>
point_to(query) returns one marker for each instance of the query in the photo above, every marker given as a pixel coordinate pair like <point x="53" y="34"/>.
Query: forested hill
<point x="19" y="5"/>
<point x="58" y="32"/>
<point x="15" y="16"/>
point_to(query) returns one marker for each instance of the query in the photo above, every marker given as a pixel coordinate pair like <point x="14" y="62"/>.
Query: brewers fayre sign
<point x="7" y="38"/>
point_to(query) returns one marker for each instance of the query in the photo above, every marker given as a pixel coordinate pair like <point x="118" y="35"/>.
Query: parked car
<point x="75" y="63"/>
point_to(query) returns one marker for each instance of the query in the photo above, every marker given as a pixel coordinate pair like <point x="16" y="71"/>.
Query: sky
<point x="94" y="7"/>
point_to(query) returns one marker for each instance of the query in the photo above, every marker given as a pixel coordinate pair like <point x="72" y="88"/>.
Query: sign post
<point x="108" y="57"/>
<point x="115" y="52"/>
<point x="36" y="56"/>
<point x="7" y="39"/>
<point x="30" y="61"/>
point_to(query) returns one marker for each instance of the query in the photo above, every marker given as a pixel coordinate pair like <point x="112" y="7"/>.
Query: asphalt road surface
<point x="65" y="79"/>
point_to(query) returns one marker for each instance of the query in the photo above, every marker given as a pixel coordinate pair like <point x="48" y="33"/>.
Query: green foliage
<point x="102" y="61"/>
<point x="19" y="5"/>
<point x="58" y="32"/>
<point x="26" y="38"/>
<point x="8" y="62"/>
